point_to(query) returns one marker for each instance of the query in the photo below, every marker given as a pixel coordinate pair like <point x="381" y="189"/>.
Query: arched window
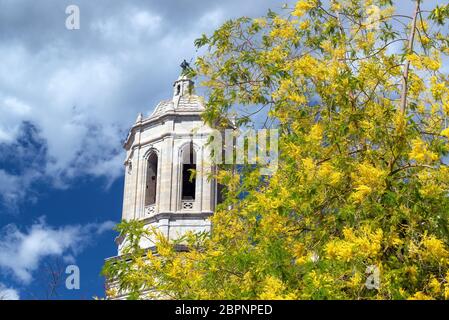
<point x="188" y="172"/>
<point x="151" y="180"/>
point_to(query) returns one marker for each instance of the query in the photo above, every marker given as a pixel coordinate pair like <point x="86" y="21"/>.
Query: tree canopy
<point x="359" y="205"/>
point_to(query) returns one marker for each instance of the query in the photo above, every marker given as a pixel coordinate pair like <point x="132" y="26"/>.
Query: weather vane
<point x="185" y="66"/>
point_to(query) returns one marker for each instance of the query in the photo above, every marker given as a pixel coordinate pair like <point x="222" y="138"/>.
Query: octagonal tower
<point x="163" y="153"/>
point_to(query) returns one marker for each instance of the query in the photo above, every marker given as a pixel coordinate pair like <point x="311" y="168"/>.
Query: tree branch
<point x="407" y="64"/>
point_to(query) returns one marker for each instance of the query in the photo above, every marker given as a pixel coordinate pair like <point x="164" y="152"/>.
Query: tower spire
<point x="184" y="85"/>
<point x="185" y="67"/>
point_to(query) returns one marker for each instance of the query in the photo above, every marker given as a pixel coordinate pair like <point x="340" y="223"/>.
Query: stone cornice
<point x="154" y="120"/>
<point x="177" y="215"/>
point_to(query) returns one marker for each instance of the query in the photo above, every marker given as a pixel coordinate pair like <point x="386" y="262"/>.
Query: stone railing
<point x="187" y="204"/>
<point x="150" y="210"/>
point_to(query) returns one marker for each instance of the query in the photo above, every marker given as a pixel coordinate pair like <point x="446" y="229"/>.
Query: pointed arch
<point x="188" y="171"/>
<point x="151" y="177"/>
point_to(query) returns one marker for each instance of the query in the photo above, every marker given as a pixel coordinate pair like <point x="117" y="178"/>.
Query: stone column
<point x="166" y="175"/>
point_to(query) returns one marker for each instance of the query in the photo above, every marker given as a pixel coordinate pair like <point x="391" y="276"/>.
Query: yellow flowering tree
<point x="359" y="206"/>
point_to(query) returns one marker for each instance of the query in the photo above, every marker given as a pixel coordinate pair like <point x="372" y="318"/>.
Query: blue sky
<point x="67" y="99"/>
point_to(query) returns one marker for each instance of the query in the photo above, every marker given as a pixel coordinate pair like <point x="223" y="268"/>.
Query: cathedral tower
<point x="162" y="151"/>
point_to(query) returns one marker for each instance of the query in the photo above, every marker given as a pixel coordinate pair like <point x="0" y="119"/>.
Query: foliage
<point x="362" y="105"/>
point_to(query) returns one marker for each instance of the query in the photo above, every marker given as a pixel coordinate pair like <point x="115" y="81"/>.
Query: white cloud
<point x="13" y="188"/>
<point x="8" y="293"/>
<point x="21" y="252"/>
<point x="144" y="21"/>
<point x="129" y="26"/>
<point x="102" y="227"/>
<point x="9" y="186"/>
<point x="211" y="19"/>
<point x="13" y="112"/>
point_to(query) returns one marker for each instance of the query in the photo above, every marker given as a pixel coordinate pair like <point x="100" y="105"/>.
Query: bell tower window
<point x="188" y="173"/>
<point x="151" y="180"/>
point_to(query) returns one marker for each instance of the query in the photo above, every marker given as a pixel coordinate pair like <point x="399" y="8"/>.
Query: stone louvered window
<point x="188" y="172"/>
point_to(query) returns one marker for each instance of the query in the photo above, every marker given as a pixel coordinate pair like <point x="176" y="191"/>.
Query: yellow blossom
<point x="260" y="21"/>
<point x="360" y="193"/>
<point x="274" y="290"/>
<point x="111" y="293"/>
<point x="434" y="249"/>
<point x="316" y="133"/>
<point x="283" y="29"/>
<point x="438" y="89"/>
<point x="446" y="106"/>
<point x="365" y="244"/>
<point x="329" y="174"/>
<point x="420" y="296"/>
<point x="435" y="286"/>
<point x="356" y="280"/>
<point x="367" y="179"/>
<point x="303" y="6"/>
<point x="424" y="62"/>
<point x="421" y="153"/>
<point x="304" y="25"/>
<point x="308" y="164"/>
<point x="445" y="132"/>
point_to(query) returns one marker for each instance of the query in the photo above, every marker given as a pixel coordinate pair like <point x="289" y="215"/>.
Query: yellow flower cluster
<point x="430" y="249"/>
<point x="417" y="85"/>
<point x="446" y="286"/>
<point x="429" y="185"/>
<point x="356" y="280"/>
<point x="367" y="41"/>
<point x="420" y="296"/>
<point x="316" y="133"/>
<point x="274" y="290"/>
<point x="367" y="179"/>
<point x="304" y="25"/>
<point x="438" y="89"/>
<point x="319" y="281"/>
<point x="445" y="133"/>
<point x="260" y="22"/>
<point x="373" y="16"/>
<point x="111" y="293"/>
<point x="303" y="6"/>
<point x="421" y="153"/>
<point x="337" y="52"/>
<point x="307" y="65"/>
<point x="273" y="55"/>
<point x="288" y="91"/>
<point x="308" y="164"/>
<point x="434" y="249"/>
<point x="424" y="62"/>
<point x="299" y="253"/>
<point x="283" y="29"/>
<point x="328" y="173"/>
<point x="446" y="105"/>
<point x="365" y="245"/>
<point x="435" y="286"/>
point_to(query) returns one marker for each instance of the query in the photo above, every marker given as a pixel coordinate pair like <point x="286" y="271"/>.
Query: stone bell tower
<point x="167" y="166"/>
